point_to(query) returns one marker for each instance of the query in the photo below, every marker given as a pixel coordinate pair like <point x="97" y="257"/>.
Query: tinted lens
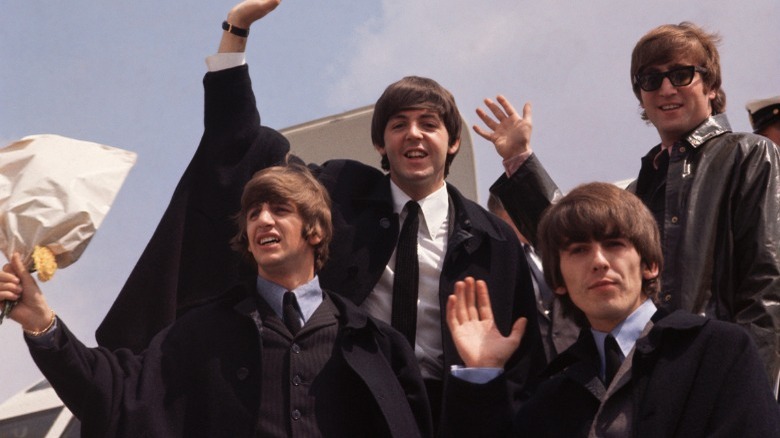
<point x="650" y="81"/>
<point x="681" y="77"/>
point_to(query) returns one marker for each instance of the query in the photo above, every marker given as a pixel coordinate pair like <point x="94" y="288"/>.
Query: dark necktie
<point x="612" y="356"/>
<point x="406" y="277"/>
<point x="292" y="317"/>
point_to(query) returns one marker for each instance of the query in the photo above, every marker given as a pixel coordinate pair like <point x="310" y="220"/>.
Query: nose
<point x="264" y="216"/>
<point x="414" y="131"/>
<point x="667" y="87"/>
<point x="599" y="259"/>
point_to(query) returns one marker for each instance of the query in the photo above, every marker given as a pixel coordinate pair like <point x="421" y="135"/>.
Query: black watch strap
<point x="237" y="31"/>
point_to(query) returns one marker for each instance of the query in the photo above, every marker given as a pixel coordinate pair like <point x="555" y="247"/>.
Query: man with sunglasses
<point x="713" y="192"/>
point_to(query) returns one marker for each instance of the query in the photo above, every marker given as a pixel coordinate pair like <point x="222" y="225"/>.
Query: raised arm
<point x="525" y="189"/>
<point x="188" y="260"/>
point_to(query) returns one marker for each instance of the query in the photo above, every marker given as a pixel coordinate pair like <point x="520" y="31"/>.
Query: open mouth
<point x="670" y="107"/>
<point x="269" y="240"/>
<point x="415" y="154"/>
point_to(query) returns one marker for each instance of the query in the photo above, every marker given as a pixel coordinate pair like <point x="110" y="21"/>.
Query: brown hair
<point x="414" y="92"/>
<point x="599" y="211"/>
<point x="288" y="183"/>
<point x="671" y="41"/>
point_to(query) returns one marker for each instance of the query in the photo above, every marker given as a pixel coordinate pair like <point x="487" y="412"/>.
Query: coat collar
<point x="583" y="352"/>
<point x="347" y="313"/>
<point x="712" y="127"/>
<point x="468" y="218"/>
<point x="665" y="325"/>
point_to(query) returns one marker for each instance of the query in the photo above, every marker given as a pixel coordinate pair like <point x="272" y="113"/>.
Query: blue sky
<point x="128" y="74"/>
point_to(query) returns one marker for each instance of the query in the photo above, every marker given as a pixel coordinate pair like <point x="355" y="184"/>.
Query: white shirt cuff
<point x="475" y="375"/>
<point x="224" y="61"/>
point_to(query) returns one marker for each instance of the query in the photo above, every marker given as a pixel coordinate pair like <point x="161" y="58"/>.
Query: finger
<point x="460" y="304"/>
<point x="483" y="300"/>
<point x="518" y="330"/>
<point x="452" y="317"/>
<point x="497" y="111"/>
<point x="25" y="278"/>
<point x="486" y="119"/>
<point x="508" y="108"/>
<point x="482" y="133"/>
<point x="527" y="112"/>
<point x="10" y="283"/>
<point x="473" y="313"/>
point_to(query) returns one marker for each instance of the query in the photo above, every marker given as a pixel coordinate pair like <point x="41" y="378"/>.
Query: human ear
<point x="561" y="290"/>
<point x="651" y="272"/>
<point x="314" y="237"/>
<point x="453" y="148"/>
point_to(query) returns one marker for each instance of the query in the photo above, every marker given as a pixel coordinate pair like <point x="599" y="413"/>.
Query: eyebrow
<point x="427" y="114"/>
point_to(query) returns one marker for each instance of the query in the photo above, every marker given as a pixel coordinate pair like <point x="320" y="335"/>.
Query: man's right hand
<point x="473" y="328"/>
<point x="509" y="133"/>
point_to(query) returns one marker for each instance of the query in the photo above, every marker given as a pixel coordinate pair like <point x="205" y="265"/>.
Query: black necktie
<point x="612" y="358"/>
<point x="407" y="272"/>
<point x="292" y="317"/>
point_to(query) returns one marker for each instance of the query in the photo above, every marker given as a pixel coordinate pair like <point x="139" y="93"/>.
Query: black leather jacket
<point x="721" y="227"/>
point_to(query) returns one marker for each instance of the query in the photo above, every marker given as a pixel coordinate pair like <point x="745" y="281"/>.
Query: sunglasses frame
<point x="667" y="74"/>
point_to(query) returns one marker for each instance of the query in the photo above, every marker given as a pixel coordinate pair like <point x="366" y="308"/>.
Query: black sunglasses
<point x="679" y="77"/>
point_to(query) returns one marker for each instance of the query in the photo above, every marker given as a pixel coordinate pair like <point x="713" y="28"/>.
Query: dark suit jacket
<point x="203" y="376"/>
<point x="691" y="377"/>
<point x="180" y="263"/>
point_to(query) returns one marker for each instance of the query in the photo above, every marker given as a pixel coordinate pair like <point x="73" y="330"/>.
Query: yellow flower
<point x="45" y="263"/>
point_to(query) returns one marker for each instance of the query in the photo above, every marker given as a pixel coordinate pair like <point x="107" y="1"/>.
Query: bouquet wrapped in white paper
<point x="54" y="193"/>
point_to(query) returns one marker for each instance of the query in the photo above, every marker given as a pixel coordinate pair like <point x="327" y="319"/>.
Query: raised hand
<point x="247" y="12"/>
<point x="242" y="16"/>
<point x="509" y="133"/>
<point x="470" y="319"/>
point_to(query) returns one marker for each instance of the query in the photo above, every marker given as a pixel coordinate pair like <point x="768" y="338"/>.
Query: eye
<point x="576" y="248"/>
<point x="397" y="125"/>
<point x="282" y="209"/>
<point x="615" y="243"/>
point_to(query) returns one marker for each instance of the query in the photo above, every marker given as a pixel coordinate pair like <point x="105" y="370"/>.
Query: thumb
<point x="26" y="279"/>
<point x="518" y="330"/>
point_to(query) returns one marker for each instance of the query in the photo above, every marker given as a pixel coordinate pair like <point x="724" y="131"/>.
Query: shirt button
<point x="682" y="149"/>
<point x="242" y="373"/>
<point x="296" y="380"/>
<point x="295" y="414"/>
<point x="668" y="297"/>
<point x="296" y="348"/>
<point x="675" y="219"/>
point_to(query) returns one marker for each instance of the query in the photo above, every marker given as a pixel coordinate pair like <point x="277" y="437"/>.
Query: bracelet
<point x="37" y="333"/>
<point x="237" y="31"/>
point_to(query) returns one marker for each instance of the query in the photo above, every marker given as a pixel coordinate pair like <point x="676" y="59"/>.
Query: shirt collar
<point x="627" y="332"/>
<point x="309" y="296"/>
<point x="434" y="207"/>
